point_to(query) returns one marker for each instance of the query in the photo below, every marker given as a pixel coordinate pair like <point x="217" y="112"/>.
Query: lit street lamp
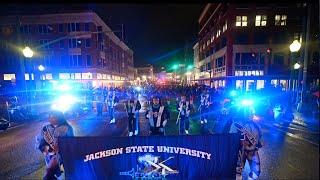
<point x="27" y="52"/>
<point x="41" y="68"/>
<point x="296" y="66"/>
<point x="295" y="46"/>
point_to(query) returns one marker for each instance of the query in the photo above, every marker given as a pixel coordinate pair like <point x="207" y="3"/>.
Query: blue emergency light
<point x="247" y="102"/>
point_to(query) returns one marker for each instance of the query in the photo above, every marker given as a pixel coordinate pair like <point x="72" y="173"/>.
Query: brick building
<point x="77" y="46"/>
<point x="247" y="45"/>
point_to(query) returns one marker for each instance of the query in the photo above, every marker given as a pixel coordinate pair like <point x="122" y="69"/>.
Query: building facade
<point x="145" y="73"/>
<point x="71" y="46"/>
<point x="246" y="46"/>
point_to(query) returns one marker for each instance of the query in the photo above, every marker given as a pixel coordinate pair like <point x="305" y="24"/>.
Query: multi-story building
<point x="248" y="44"/>
<point x="146" y="73"/>
<point x="71" y="46"/>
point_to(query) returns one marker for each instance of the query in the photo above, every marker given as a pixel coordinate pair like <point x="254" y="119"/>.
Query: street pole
<point x="305" y="59"/>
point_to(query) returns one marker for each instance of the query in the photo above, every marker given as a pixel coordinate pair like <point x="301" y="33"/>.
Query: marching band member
<point x="184" y="108"/>
<point x="204" y="108"/>
<point x="158" y="116"/>
<point x="112" y="101"/>
<point x="47" y="143"/>
<point x="250" y="144"/>
<point x="132" y="107"/>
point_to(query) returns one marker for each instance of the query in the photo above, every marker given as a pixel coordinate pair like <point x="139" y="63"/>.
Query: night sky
<point x="157" y="33"/>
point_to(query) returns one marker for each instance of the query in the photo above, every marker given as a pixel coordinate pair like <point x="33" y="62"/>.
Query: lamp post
<point x="27" y="53"/>
<point x="295" y="47"/>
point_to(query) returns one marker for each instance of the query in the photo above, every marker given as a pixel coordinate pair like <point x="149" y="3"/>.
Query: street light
<point x="41" y="68"/>
<point x="27" y="52"/>
<point x="295" y="46"/>
<point x="296" y="66"/>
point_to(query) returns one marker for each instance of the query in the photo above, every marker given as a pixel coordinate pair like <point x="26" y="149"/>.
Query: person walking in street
<point x="132" y="106"/>
<point x="250" y="143"/>
<point x="184" y="107"/>
<point x="158" y="116"/>
<point x="112" y="101"/>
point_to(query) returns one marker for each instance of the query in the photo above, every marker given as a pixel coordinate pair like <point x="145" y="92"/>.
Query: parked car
<point x="4" y="123"/>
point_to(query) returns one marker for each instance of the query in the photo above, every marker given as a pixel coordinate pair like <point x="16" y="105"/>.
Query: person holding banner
<point x="132" y="107"/>
<point x="111" y="101"/>
<point x="158" y="115"/>
<point x="184" y="108"/>
<point x="47" y="143"/>
<point x="250" y="144"/>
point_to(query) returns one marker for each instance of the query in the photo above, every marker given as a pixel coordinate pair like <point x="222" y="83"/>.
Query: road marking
<point x="294" y="136"/>
<point x="294" y="128"/>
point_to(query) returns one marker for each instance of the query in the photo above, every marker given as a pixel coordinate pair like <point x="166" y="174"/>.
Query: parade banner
<point x="169" y="157"/>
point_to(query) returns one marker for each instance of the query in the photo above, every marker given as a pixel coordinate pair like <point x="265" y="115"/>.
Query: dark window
<point x="278" y="59"/>
<point x="223" y="42"/>
<point x="262" y="57"/>
<point x="77" y="26"/>
<point x="281" y="37"/>
<point x="26" y="29"/>
<point x="79" y="60"/>
<point x="89" y="60"/>
<point x="86" y="27"/>
<point x="99" y="28"/>
<point x="60" y="28"/>
<point x="63" y="61"/>
<point x="61" y="43"/>
<point x="73" y="27"/>
<point x="74" y="43"/>
<point x="241" y="38"/>
<point x="237" y="60"/>
<point x="219" y="62"/>
<point x="209" y="66"/>
<point x="260" y="38"/>
<point x="248" y="59"/>
<point x="88" y="43"/>
<point x="213" y="50"/>
<point x="100" y="37"/>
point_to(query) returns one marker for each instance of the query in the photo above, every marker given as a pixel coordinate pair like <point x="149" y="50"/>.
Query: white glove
<point x="164" y="123"/>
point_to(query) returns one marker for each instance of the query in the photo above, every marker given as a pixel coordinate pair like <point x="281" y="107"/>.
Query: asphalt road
<point x="287" y="153"/>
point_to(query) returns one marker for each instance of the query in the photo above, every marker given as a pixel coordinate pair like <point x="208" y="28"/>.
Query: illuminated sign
<point x="99" y="76"/>
<point x="86" y="76"/>
<point x="77" y="75"/>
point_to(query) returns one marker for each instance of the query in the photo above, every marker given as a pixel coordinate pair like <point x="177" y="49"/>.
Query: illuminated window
<point x="218" y="33"/>
<point x="208" y="42"/>
<point x="280" y="20"/>
<point x="212" y="38"/>
<point x="77" y="75"/>
<point x="225" y="26"/>
<point x="239" y="84"/>
<point x="241" y="21"/>
<point x="260" y="84"/>
<point x="48" y="76"/>
<point x="64" y="76"/>
<point x="9" y="77"/>
<point x="261" y="20"/>
<point x="26" y="76"/>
